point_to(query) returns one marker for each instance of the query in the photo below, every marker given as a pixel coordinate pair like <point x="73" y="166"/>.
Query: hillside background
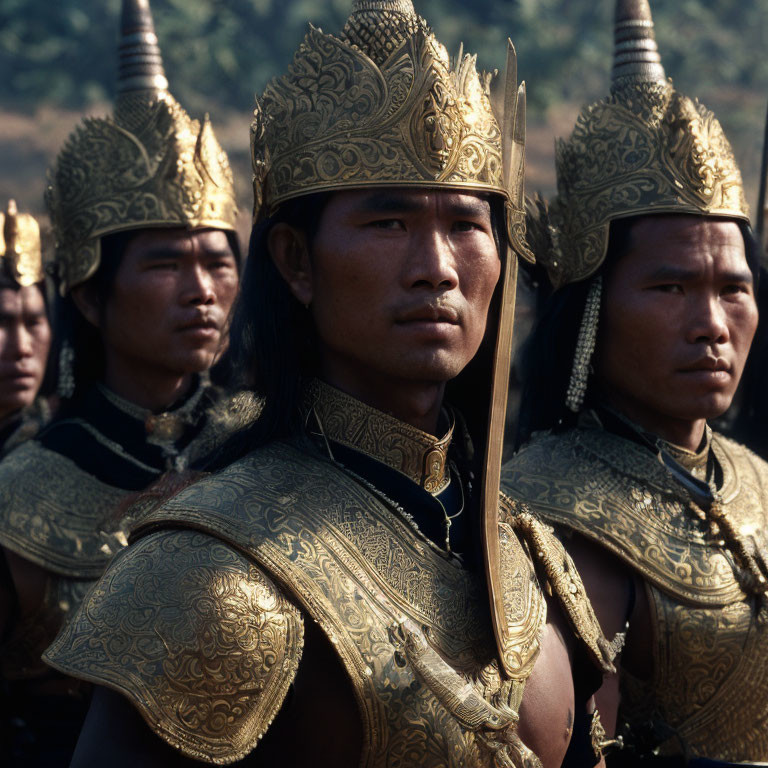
<point x="58" y="62"/>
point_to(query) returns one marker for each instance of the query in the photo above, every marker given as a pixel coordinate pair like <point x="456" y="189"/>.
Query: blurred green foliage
<point x="221" y="52"/>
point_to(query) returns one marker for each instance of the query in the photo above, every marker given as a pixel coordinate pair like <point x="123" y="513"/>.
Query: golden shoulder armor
<point x="52" y="512"/>
<point x="558" y="573"/>
<point x="617" y="494"/>
<point x="196" y="636"/>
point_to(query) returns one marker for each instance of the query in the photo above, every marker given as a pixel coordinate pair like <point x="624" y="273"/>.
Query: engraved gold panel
<point x="710" y="684"/>
<point x="56" y="524"/>
<point x="615" y="492"/>
<point x="196" y="636"/>
<point x="709" y="690"/>
<point x="411" y="626"/>
<point x="70" y="524"/>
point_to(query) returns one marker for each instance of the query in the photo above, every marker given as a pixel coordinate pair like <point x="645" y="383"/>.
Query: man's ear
<point x="289" y="253"/>
<point x="87" y="303"/>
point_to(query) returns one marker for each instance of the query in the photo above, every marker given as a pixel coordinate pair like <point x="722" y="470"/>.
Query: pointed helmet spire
<point x="20" y="253"/>
<point x="140" y="65"/>
<point x="149" y="165"/>
<point x="636" y="55"/>
<point x="646" y="149"/>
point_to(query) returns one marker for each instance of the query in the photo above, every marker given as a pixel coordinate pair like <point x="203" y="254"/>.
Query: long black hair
<point x="547" y="358"/>
<point x="272" y="335"/>
<point x="750" y="424"/>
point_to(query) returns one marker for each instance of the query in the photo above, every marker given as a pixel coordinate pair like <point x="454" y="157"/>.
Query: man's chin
<point x="12" y="402"/>
<point x="708" y="407"/>
<point x="194" y="362"/>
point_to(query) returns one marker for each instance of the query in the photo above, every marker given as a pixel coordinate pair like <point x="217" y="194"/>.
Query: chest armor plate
<point x="411" y="627"/>
<point x="709" y="692"/>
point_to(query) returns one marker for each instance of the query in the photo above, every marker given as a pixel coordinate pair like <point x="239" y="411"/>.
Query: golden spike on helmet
<point x="645" y="149"/>
<point x="20" y="246"/>
<point x="382" y="104"/>
<point x="150" y="165"/>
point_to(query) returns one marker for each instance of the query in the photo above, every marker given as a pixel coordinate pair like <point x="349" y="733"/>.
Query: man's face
<point x="25" y="338"/>
<point x="401" y="282"/>
<point x="170" y="301"/>
<point x="678" y="320"/>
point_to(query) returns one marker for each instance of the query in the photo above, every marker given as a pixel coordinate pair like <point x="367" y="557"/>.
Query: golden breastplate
<point x="709" y="692"/>
<point x="409" y="624"/>
<point x="211" y="596"/>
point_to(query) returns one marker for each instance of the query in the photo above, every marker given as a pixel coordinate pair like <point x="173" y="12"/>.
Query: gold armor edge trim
<point x="417" y="455"/>
<point x="556" y="568"/>
<point x="457" y="186"/>
<point x="526" y="466"/>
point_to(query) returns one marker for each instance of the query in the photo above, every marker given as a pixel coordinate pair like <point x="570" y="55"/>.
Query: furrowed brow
<point x="673" y="274"/>
<point x="218" y="253"/>
<point x="676" y="275"/>
<point x="471" y="208"/>
<point x="161" y="252"/>
<point x="390" y="202"/>
<point x="738" y="277"/>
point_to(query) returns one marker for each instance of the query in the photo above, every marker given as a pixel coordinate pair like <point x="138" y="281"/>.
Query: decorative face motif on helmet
<point x="436" y="127"/>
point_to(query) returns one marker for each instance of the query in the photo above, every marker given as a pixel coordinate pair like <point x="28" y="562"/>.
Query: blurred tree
<point x="223" y="51"/>
<point x="219" y="53"/>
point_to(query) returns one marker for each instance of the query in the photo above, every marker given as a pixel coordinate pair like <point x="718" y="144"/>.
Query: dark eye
<point x="162" y="266"/>
<point x="466" y="226"/>
<point x="221" y="264"/>
<point x="668" y="288"/>
<point x="393" y="224"/>
<point x="734" y="289"/>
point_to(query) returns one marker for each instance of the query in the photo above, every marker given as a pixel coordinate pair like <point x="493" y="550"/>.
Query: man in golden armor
<point x="143" y="211"/>
<point x="649" y="247"/>
<point x="25" y="333"/>
<point x="323" y="599"/>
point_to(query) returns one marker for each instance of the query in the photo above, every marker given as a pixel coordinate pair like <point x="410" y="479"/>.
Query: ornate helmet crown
<point x="383" y="105"/>
<point x="645" y="149"/>
<point x="150" y="165"/>
<point x="20" y="246"/>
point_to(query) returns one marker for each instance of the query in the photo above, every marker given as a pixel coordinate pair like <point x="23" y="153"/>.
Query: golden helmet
<point x="645" y="149"/>
<point x="149" y="165"/>
<point x="20" y="246"/>
<point x="382" y="104"/>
